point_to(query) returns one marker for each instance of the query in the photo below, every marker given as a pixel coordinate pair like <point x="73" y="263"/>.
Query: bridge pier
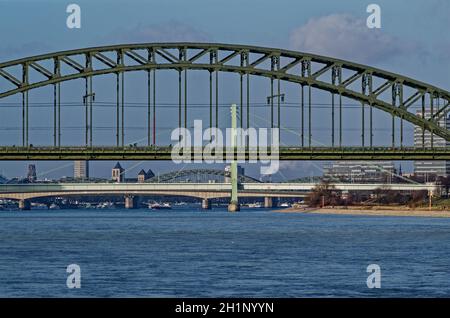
<point x="24" y="205"/>
<point x="270" y="202"/>
<point x="234" y="206"/>
<point x="206" y="204"/>
<point x="130" y="202"/>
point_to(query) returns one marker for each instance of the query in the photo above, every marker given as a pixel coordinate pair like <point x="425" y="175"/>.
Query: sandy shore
<point x="370" y="211"/>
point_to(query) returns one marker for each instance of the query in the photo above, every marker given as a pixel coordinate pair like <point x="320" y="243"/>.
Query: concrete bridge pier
<point x="270" y="202"/>
<point x="24" y="205"/>
<point x="131" y="202"/>
<point x="234" y="206"/>
<point x="206" y="204"/>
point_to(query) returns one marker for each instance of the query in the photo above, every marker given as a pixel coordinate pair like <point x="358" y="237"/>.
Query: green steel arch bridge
<point x="198" y="176"/>
<point x="405" y="100"/>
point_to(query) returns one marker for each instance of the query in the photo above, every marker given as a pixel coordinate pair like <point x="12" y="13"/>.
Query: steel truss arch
<point x="172" y="176"/>
<point x="316" y="71"/>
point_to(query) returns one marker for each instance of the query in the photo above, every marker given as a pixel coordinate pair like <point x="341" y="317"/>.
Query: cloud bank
<point x="346" y="37"/>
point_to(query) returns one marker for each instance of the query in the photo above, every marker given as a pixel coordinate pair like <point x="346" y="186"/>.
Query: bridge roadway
<point x="165" y="153"/>
<point x="199" y="190"/>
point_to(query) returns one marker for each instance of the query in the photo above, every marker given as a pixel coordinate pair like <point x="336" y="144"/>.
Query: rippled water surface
<point x="187" y="253"/>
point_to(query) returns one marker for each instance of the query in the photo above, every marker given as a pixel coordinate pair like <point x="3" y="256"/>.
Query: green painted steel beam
<point x="234" y="173"/>
<point x="229" y="47"/>
<point x="52" y="77"/>
<point x="382" y="105"/>
<point x="164" y="153"/>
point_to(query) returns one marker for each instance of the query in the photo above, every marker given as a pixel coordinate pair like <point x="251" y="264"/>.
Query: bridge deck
<point x="164" y="153"/>
<point x="200" y="190"/>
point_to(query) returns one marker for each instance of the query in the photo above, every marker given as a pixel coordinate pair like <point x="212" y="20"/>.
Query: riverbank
<point x="375" y="211"/>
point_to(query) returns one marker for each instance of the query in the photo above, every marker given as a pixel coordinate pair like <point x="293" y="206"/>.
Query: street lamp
<point x="270" y="98"/>
<point x="270" y="102"/>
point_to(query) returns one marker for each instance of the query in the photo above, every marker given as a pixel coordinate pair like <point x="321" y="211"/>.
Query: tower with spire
<point x="118" y="173"/>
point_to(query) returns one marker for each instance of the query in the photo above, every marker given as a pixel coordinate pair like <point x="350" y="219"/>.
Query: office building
<point x="434" y="168"/>
<point x="81" y="169"/>
<point x="360" y="171"/>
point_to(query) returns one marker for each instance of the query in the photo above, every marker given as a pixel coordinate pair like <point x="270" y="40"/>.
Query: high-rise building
<point x="31" y="174"/>
<point x="423" y="139"/>
<point x="118" y="173"/>
<point x="360" y="171"/>
<point x="81" y="169"/>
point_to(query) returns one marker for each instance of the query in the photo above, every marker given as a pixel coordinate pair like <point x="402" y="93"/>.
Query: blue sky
<point x="414" y="39"/>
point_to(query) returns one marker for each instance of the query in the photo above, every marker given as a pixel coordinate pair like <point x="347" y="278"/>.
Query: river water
<point x="192" y="253"/>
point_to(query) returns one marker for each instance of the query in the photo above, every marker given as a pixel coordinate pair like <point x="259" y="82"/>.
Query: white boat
<point x="105" y="205"/>
<point x="157" y="206"/>
<point x="255" y="205"/>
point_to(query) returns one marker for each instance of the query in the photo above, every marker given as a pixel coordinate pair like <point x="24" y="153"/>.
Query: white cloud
<point x="346" y="37"/>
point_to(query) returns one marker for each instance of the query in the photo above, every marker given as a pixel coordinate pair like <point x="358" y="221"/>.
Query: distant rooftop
<point x="118" y="166"/>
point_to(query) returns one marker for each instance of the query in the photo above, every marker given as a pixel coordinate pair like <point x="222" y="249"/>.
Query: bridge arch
<point x="336" y="76"/>
<point x="192" y="175"/>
